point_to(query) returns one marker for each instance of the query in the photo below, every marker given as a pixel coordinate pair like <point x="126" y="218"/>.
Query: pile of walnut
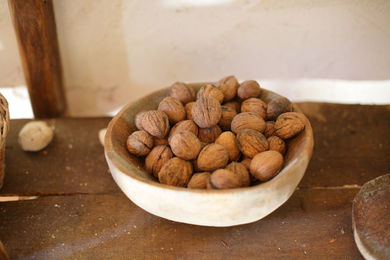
<point x="219" y="141"/>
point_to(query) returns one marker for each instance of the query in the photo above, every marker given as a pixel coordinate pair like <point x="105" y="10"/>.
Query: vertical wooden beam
<point x="38" y="46"/>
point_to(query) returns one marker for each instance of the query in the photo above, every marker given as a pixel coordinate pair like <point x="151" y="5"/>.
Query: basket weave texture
<point x="4" y="127"/>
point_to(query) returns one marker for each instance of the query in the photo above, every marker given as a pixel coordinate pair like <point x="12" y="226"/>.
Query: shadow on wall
<point x="115" y="52"/>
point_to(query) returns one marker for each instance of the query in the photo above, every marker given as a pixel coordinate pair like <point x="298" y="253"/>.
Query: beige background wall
<point x="115" y="51"/>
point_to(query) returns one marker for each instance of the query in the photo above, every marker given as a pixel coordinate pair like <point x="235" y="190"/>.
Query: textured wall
<point x="115" y="51"/>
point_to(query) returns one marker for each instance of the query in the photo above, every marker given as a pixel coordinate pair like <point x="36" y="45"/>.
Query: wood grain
<point x="81" y="214"/>
<point x="35" y="30"/>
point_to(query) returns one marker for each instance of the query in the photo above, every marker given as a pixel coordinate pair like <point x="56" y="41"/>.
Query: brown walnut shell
<point x="276" y="144"/>
<point x="227" y="116"/>
<point x="288" y="125"/>
<point x="185" y="125"/>
<point x="185" y="145"/>
<point x="229" y="141"/>
<point x="206" y="112"/>
<point x="256" y="106"/>
<point x="233" y="104"/>
<point x="212" y="157"/>
<point x="156" y="123"/>
<point x="176" y="172"/>
<point x="269" y="128"/>
<point x="160" y="141"/>
<point x="241" y="171"/>
<point x="138" y="120"/>
<point x="182" y="92"/>
<point x="157" y="158"/>
<point x="139" y="143"/>
<point x="251" y="142"/>
<point x="199" y="180"/>
<point x="249" y="89"/>
<point x="247" y="120"/>
<point x="210" y="91"/>
<point x="188" y="108"/>
<point x="246" y="162"/>
<point x="208" y="135"/>
<point x="278" y="106"/>
<point x="228" y="86"/>
<point x="266" y="165"/>
<point x="173" y="108"/>
<point x="224" y="179"/>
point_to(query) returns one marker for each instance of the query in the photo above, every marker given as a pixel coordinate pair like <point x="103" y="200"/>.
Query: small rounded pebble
<point x="35" y="136"/>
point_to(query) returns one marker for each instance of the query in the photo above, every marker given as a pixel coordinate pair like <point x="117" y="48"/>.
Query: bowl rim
<point x="110" y="151"/>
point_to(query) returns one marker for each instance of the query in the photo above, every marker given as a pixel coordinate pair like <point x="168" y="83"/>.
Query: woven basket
<point x="4" y="126"/>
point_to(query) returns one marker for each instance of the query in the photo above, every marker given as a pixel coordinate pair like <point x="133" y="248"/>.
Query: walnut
<point x="288" y="125"/>
<point x="155" y="123"/>
<point x="138" y="120"/>
<point x="251" y="142"/>
<point x="246" y="162"/>
<point x="199" y="180"/>
<point x="266" y="165"/>
<point x="276" y="144"/>
<point x="185" y="145"/>
<point x="212" y="157"/>
<point x="256" y="106"/>
<point x="139" y="143"/>
<point x="278" y="106"/>
<point x="229" y="141"/>
<point x="239" y="169"/>
<point x="176" y="172"/>
<point x="224" y="179"/>
<point x="247" y="120"/>
<point x="208" y="135"/>
<point x="227" y="116"/>
<point x="249" y="89"/>
<point x="157" y="158"/>
<point x="188" y="108"/>
<point x="173" y="108"/>
<point x="210" y="91"/>
<point x="269" y="128"/>
<point x="160" y="141"/>
<point x="185" y="125"/>
<point x="182" y="92"/>
<point x="233" y="104"/>
<point x="206" y="112"/>
<point x="228" y="86"/>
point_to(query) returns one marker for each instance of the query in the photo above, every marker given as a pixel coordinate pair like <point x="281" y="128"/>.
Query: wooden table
<point x="79" y="212"/>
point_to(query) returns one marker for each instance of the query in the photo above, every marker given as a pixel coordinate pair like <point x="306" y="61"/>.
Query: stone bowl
<point x="200" y="207"/>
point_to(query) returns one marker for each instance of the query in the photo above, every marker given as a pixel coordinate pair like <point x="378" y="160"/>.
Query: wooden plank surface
<point x="35" y="30"/>
<point x="81" y="214"/>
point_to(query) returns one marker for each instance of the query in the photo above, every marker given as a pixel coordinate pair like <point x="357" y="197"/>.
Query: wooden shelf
<point x="81" y="214"/>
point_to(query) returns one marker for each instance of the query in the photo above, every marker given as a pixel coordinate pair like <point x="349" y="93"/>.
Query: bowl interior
<point x="122" y="125"/>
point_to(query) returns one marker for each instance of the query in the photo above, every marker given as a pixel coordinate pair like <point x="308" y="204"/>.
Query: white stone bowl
<point x="200" y="207"/>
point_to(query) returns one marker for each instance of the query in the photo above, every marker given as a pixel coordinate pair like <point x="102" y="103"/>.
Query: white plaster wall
<point x="10" y="68"/>
<point x="115" y="51"/>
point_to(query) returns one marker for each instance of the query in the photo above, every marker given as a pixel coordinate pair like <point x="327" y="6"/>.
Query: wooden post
<point x="36" y="33"/>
